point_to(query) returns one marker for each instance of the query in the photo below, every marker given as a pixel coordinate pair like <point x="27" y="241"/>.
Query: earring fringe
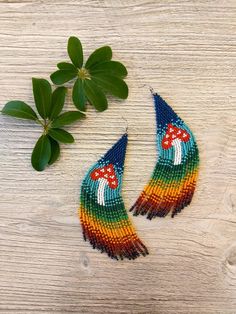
<point x="173" y="180"/>
<point x="103" y="217"/>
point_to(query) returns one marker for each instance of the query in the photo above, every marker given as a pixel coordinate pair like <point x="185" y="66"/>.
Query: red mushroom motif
<point x="173" y="137"/>
<point x="106" y="176"/>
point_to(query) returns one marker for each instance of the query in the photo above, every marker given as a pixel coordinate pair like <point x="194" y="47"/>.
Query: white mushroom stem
<point x="177" y="151"/>
<point x="101" y="189"/>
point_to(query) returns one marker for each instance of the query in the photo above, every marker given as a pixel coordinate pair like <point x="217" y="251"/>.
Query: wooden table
<point x="185" y="50"/>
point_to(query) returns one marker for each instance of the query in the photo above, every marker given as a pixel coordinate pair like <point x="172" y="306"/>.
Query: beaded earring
<point x="105" y="222"/>
<point x="173" y="180"/>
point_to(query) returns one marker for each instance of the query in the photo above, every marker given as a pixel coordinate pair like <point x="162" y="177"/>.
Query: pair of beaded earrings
<point x="105" y="222"/>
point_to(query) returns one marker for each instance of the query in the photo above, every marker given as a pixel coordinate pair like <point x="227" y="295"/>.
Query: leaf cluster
<point x="91" y="82"/>
<point x="49" y="107"/>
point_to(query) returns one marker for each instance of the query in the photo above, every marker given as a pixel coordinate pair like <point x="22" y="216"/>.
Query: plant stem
<point x="40" y="122"/>
<point x="45" y="124"/>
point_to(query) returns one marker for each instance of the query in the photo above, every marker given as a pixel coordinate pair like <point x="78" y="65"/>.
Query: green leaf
<point x="66" y="66"/>
<point x="55" y="151"/>
<point x="99" y="55"/>
<point x="95" y="95"/>
<point x="42" y="96"/>
<point x="61" y="135"/>
<point x="41" y="153"/>
<point x="75" y="51"/>
<point x="114" y="68"/>
<point x="19" y="109"/>
<point x="78" y="95"/>
<point x="111" y="84"/>
<point x="62" y="76"/>
<point x="58" y="100"/>
<point x="67" y="118"/>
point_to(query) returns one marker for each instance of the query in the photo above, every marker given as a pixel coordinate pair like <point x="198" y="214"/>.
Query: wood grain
<point x="186" y="50"/>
